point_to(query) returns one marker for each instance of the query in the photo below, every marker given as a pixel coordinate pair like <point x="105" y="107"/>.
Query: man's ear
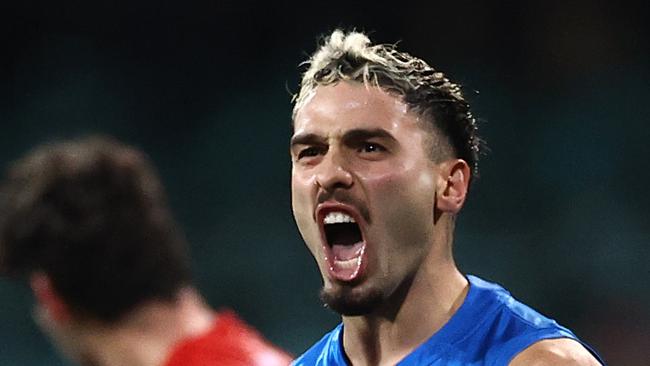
<point x="48" y="299"/>
<point x="453" y="183"/>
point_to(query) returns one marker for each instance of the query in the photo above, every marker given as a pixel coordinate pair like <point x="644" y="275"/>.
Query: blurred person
<point x="87" y="224"/>
<point x="383" y="151"/>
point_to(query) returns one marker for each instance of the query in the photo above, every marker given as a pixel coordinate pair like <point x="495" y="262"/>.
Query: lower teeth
<point x="350" y="263"/>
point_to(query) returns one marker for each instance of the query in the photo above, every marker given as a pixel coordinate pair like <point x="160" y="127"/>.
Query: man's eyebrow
<point x="363" y="134"/>
<point x="351" y="135"/>
<point x="306" y="139"/>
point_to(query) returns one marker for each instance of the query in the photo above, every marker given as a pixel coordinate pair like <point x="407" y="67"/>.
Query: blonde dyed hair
<point x="428" y="92"/>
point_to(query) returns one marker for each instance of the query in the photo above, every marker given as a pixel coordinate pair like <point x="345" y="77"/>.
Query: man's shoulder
<point x="230" y="341"/>
<point x="324" y="352"/>
<point x="561" y="351"/>
<point x="514" y="329"/>
<point x="494" y="304"/>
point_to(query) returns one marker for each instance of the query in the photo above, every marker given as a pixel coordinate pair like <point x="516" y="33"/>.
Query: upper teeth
<point x="337" y="218"/>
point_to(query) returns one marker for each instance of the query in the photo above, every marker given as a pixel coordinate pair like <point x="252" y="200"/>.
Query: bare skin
<point x="143" y="338"/>
<point x="566" y="352"/>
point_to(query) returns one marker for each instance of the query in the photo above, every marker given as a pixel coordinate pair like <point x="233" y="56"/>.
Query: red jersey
<point x="230" y="342"/>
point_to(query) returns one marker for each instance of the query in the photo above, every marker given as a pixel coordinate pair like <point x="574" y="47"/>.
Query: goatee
<point x="345" y="301"/>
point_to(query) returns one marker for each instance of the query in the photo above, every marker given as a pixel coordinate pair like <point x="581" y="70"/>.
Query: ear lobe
<point x="454" y="182"/>
<point x="48" y="299"/>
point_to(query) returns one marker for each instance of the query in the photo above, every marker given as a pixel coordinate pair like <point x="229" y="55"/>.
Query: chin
<point x="351" y="301"/>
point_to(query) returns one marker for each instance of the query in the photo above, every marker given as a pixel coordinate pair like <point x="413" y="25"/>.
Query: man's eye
<point x="308" y="152"/>
<point x="370" y="147"/>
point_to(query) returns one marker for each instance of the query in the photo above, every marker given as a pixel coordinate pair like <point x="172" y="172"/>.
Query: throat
<point x="388" y="335"/>
<point x="371" y="346"/>
<point x="342" y="234"/>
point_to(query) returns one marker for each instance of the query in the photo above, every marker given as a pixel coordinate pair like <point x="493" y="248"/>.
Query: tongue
<point x="347" y="261"/>
<point x="346" y="252"/>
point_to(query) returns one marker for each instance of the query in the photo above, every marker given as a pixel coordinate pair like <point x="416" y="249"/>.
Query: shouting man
<point x="383" y="150"/>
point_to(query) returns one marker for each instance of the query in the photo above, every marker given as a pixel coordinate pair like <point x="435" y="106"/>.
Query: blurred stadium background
<point x="559" y="215"/>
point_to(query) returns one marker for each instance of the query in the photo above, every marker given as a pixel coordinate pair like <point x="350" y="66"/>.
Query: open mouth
<point x="345" y="245"/>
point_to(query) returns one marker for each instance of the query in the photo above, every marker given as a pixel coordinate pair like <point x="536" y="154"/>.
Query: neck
<point x="147" y="335"/>
<point x="426" y="303"/>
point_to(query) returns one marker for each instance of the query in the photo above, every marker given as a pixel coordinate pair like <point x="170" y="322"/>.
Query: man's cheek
<point x="388" y="189"/>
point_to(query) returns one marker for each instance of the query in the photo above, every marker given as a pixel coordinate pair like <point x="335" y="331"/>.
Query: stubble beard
<point x="87" y="360"/>
<point x="348" y="302"/>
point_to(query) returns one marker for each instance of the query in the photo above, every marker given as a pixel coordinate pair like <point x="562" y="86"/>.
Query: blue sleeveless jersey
<point x="490" y="328"/>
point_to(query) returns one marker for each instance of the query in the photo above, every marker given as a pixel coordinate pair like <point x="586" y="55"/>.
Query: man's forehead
<point x="349" y="95"/>
<point x="349" y="103"/>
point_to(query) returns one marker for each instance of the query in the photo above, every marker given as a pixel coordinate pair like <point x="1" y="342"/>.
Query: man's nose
<point x="333" y="172"/>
